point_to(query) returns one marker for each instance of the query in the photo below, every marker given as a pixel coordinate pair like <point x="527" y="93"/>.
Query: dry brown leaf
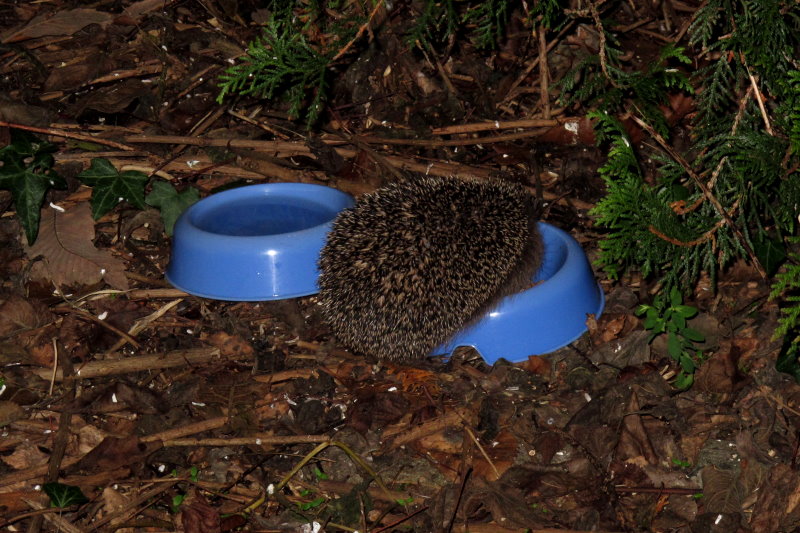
<point x="137" y="9"/>
<point x="19" y="314"/>
<point x="64" y="22"/>
<point x="10" y="412"/>
<point x="26" y="455"/>
<point x="197" y="516"/>
<point x="502" y="451"/>
<point x="70" y="257"/>
<point x="113" y="500"/>
<point x="89" y="437"/>
<point x="229" y="345"/>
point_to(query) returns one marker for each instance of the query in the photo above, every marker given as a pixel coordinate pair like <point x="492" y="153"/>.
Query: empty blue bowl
<point x="259" y="242"/>
<point x="545" y="317"/>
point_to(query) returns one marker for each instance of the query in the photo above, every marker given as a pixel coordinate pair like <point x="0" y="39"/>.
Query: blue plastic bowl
<point x="545" y="317"/>
<point x="254" y="243"/>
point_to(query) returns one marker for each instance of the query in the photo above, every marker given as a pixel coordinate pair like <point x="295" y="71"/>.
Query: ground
<point x="139" y="407"/>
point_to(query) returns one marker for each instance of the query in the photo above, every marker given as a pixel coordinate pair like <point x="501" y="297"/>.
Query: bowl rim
<point x="274" y="266"/>
<point x="574" y="271"/>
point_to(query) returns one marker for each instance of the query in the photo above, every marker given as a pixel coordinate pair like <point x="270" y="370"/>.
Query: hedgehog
<point x="412" y="263"/>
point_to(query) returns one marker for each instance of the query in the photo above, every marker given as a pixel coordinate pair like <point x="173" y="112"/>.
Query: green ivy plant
<point x="170" y="202"/>
<point x="64" y="495"/>
<point x="110" y="187"/>
<point x="669" y="316"/>
<point x="27" y="171"/>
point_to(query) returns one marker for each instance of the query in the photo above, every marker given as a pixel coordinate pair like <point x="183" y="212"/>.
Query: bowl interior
<point x="555" y="254"/>
<point x="263" y="216"/>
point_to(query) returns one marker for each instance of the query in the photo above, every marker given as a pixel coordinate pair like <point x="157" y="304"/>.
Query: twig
<point x="483" y="451"/>
<point x="89" y="316"/>
<point x="706" y="192"/>
<point x="61" y="523"/>
<point x="67" y="135"/>
<point x="496" y="125"/>
<point x="189" y="429"/>
<point x="512" y="90"/>
<point x="142" y="323"/>
<point x="461" y="488"/>
<point x="360" y="31"/>
<point x="94" y="369"/>
<point x="759" y="98"/>
<point x="259" y="440"/>
<point x="132" y="507"/>
<point x="544" y="74"/>
<point x="602" y="40"/>
<point x="707" y="235"/>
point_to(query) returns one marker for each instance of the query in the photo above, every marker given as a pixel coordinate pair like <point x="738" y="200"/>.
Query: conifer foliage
<point x="735" y="193"/>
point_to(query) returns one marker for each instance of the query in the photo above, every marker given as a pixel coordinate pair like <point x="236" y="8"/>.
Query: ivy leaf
<point x="170" y="202"/>
<point x="110" y="187"/>
<point x="27" y="171"/>
<point x="64" y="495"/>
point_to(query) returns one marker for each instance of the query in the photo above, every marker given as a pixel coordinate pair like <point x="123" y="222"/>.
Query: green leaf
<point x="687" y="364"/>
<point x="27" y="172"/>
<point x="652" y="322"/>
<point x="110" y="187"/>
<point x="685" y="311"/>
<point x="693" y="335"/>
<point x="684" y="380"/>
<point x="64" y="495"/>
<point x="770" y="253"/>
<point x="674" y="346"/>
<point x="675" y="298"/>
<point x="177" y="501"/>
<point x="312" y="504"/>
<point x="170" y="202"/>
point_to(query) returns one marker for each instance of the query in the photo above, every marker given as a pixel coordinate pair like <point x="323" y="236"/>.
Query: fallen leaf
<point x="229" y="345"/>
<point x="26" y="455"/>
<point x="18" y="314"/>
<point x="10" y="412"/>
<point x="70" y="257"/>
<point x="65" y="22"/>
